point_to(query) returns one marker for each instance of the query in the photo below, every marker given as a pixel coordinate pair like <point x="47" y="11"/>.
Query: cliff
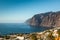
<point x="48" y="19"/>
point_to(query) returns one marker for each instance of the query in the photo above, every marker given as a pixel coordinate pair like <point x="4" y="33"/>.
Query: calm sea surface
<point x="6" y="28"/>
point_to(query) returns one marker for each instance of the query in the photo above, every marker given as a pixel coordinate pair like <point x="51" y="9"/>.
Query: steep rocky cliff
<point x="48" y="19"/>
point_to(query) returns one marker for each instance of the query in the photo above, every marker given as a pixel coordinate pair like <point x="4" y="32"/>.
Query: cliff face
<point x="48" y="19"/>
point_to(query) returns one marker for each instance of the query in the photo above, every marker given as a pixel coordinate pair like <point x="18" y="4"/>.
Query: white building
<point x="55" y="34"/>
<point x="20" y="37"/>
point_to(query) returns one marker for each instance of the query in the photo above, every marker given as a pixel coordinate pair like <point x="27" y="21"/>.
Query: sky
<point x="18" y="11"/>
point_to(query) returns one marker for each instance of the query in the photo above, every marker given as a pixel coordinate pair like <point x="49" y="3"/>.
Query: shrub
<point x="33" y="37"/>
<point x="58" y="32"/>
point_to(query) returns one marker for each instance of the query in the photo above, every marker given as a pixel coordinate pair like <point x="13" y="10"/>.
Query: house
<point x="20" y="37"/>
<point x="55" y="34"/>
<point x="1" y="38"/>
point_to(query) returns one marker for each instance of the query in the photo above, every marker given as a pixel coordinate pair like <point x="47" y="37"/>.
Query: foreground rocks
<point x="51" y="34"/>
<point x="48" y="19"/>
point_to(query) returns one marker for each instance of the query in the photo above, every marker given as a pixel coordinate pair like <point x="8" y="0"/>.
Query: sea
<point x="7" y="28"/>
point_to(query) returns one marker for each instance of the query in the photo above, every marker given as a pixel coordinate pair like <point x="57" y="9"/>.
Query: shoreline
<point x="54" y="33"/>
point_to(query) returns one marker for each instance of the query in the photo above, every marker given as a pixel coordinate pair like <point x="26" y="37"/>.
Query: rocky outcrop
<point x="48" y="19"/>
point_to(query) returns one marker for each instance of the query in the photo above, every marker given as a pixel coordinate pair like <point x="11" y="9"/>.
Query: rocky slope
<point x="48" y="19"/>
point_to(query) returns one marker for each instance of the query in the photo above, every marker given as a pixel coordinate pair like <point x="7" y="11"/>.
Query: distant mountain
<point x="48" y="19"/>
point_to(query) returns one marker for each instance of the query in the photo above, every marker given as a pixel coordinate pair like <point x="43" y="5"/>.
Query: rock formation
<point x="48" y="19"/>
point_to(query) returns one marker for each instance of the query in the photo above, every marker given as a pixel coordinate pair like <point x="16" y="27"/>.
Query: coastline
<point x="34" y="35"/>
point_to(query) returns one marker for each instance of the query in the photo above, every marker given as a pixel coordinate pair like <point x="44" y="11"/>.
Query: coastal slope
<point x="48" y="19"/>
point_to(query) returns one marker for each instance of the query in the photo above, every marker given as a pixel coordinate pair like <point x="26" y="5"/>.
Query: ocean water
<point x="7" y="28"/>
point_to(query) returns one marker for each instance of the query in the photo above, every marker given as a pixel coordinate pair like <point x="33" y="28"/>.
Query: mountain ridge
<point x="47" y="19"/>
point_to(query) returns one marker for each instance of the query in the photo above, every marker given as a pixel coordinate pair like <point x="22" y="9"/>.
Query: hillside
<point x="48" y="19"/>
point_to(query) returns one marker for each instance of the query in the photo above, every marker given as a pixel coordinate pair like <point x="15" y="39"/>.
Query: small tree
<point x="33" y="37"/>
<point x="50" y="37"/>
<point x="7" y="37"/>
<point x="58" y="32"/>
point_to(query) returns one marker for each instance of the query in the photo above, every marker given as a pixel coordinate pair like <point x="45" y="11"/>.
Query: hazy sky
<point x="21" y="10"/>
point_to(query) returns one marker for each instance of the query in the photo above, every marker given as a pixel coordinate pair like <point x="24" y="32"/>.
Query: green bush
<point x="33" y="37"/>
<point x="58" y="32"/>
<point x="7" y="37"/>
